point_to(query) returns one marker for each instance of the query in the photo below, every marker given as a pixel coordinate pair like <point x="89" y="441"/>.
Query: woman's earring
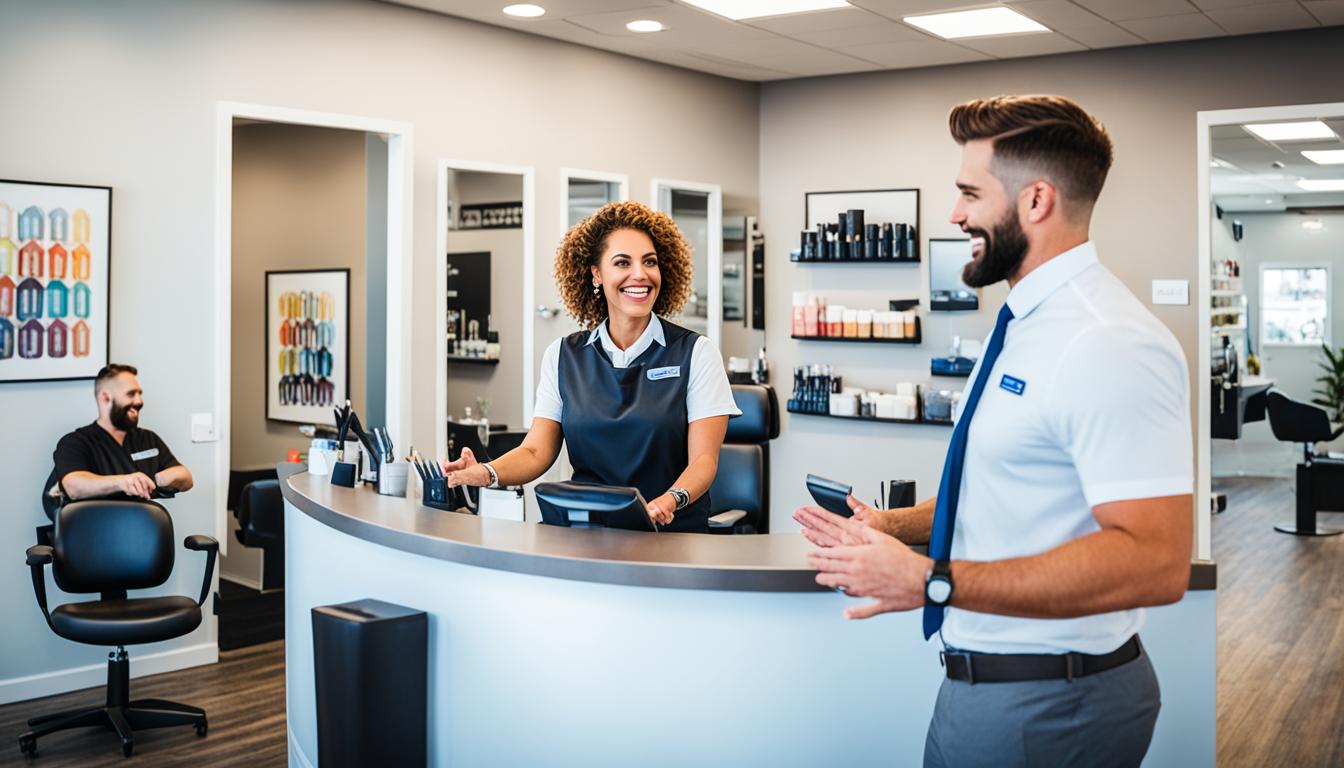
<point x="597" y="288"/>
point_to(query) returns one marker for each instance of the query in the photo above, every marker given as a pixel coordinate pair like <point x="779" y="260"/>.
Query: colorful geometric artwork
<point x="55" y="260"/>
<point x="307" y="344"/>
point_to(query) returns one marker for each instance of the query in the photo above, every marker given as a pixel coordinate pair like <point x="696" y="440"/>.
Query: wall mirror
<point x="947" y="258"/>
<point x="698" y="210"/>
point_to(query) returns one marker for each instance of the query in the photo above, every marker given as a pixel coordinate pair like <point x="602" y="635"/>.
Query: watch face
<point x="938" y="590"/>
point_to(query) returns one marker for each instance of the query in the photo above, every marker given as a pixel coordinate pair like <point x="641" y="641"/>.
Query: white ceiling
<point x="869" y="34"/>
<point x="1259" y="175"/>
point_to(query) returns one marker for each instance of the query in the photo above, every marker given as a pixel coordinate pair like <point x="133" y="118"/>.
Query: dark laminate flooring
<point x="243" y="695"/>
<point x="1280" y="632"/>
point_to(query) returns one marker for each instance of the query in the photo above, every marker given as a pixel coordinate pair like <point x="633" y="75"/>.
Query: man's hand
<point x="818" y="528"/>
<point x="875" y="565"/>
<point x="662" y="509"/>
<point x="465" y="471"/>
<point x="136" y="484"/>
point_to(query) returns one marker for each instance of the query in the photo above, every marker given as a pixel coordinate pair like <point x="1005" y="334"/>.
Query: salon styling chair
<point x="109" y="547"/>
<point x="1320" y="478"/>
<point x="260" y="510"/>
<point x="740" y="496"/>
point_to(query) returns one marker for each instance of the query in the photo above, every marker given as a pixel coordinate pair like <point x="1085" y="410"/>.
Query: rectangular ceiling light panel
<point x="1322" y="185"/>
<point x="1325" y="156"/>
<point x="981" y="22"/>
<point x="755" y="9"/>
<point x="1299" y="131"/>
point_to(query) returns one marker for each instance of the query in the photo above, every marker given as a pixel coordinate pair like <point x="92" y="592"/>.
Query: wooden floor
<point x="1280" y="664"/>
<point x="243" y="696"/>
<point x="1280" y="632"/>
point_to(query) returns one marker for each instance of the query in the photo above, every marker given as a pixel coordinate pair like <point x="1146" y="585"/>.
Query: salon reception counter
<point x="584" y="647"/>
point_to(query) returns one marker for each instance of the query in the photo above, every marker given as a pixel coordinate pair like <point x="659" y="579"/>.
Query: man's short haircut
<point x="111" y="371"/>
<point x="1049" y="137"/>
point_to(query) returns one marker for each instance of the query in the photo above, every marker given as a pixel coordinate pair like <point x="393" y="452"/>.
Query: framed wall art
<point x="55" y="280"/>
<point x="307" y="344"/>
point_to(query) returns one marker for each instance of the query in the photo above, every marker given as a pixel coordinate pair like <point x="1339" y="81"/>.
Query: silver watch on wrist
<point x="494" y="478"/>
<point x="683" y="498"/>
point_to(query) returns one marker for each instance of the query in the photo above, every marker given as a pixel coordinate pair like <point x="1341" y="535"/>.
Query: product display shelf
<point x="871" y="418"/>
<point x="881" y="262"/>
<point x="916" y="339"/>
<point x="473" y="360"/>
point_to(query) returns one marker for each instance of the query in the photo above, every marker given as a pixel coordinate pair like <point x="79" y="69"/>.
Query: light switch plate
<point x="203" y="428"/>
<point x="1171" y="291"/>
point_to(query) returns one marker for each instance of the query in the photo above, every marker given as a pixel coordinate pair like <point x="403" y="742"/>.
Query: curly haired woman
<point x="639" y="401"/>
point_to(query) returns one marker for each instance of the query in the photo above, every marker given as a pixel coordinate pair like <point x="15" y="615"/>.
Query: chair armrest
<point x="39" y="557"/>
<point x="211" y="548"/>
<point x="727" y="519"/>
<point x="199" y="542"/>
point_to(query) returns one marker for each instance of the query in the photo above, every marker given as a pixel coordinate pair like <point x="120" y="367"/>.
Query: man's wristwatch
<point x="494" y="478"/>
<point x="938" y="584"/>
<point x="683" y="498"/>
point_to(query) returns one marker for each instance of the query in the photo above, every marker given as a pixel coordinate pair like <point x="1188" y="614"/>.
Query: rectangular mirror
<point x="947" y="258"/>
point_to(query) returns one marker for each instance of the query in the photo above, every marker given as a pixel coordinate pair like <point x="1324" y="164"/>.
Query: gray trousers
<point x="1104" y="719"/>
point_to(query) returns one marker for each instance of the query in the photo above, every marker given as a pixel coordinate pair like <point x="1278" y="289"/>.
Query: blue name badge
<point x="670" y="372"/>
<point x="1016" y="386"/>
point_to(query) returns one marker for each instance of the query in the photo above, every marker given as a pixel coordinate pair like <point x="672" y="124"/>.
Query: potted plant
<point x="1330" y="395"/>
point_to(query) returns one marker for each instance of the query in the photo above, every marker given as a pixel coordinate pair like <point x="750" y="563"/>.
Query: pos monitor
<point x="947" y="259"/>
<point x="593" y="506"/>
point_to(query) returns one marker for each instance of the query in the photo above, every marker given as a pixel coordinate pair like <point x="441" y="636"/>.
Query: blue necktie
<point x="945" y="511"/>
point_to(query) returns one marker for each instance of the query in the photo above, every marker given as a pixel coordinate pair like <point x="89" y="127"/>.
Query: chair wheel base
<point x="1315" y="530"/>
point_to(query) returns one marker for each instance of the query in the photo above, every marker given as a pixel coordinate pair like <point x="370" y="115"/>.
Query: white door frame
<point x="441" y="288"/>
<point x="400" y="179"/>
<point x="1203" y="156"/>
<point x="714" y="262"/>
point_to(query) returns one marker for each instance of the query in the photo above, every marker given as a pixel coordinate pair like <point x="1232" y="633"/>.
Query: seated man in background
<point x="113" y="458"/>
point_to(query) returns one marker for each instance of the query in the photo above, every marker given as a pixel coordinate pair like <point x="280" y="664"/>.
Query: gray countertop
<point x="767" y="563"/>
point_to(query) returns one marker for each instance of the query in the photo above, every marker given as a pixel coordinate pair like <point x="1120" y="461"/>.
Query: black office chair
<point x="260" y="511"/>
<point x="740" y="495"/>
<point x="109" y="547"/>
<point x="1320" y="479"/>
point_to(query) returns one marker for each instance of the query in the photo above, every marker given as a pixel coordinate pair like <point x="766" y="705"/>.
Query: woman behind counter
<point x="640" y="402"/>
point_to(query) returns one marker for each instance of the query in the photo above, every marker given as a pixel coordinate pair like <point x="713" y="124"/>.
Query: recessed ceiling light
<point x="980" y="22"/>
<point x="1300" y="131"/>
<point x="525" y="11"/>
<point x="755" y="9"/>
<point x="1322" y="185"/>
<point x="1313" y="225"/>
<point x="1269" y="201"/>
<point x="1325" y="156"/>
<point x="645" y="25"/>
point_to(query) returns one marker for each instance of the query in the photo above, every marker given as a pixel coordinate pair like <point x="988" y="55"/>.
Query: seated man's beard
<point x="120" y="419"/>
<point x="1005" y="247"/>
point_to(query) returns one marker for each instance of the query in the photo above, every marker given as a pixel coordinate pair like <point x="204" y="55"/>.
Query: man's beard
<point x="1005" y="247"/>
<point x="121" y="419"/>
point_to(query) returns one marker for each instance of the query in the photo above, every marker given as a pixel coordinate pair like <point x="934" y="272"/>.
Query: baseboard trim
<point x="77" y="678"/>
<point x="241" y="581"/>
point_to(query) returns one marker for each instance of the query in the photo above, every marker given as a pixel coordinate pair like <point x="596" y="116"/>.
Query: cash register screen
<point x="593" y="506"/>
<point x="947" y="258"/>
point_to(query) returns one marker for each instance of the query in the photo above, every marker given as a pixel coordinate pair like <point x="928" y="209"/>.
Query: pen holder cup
<point x="900" y="493"/>
<point x="392" y="478"/>
<point x="344" y="473"/>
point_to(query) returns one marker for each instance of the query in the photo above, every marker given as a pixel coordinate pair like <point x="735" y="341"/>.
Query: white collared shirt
<point x="1088" y="403"/>
<point x="707" y="393"/>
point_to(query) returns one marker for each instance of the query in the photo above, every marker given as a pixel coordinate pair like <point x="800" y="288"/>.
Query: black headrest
<point x="759" y="421"/>
<point x="111" y="545"/>
<point x="259" y="494"/>
<point x="1296" y="422"/>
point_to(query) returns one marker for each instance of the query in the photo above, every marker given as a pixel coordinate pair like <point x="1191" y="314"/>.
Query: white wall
<point x="1145" y="223"/>
<point x="130" y="99"/>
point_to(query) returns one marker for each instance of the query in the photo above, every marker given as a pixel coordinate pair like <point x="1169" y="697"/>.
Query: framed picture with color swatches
<point x="307" y="344"/>
<point x="55" y="262"/>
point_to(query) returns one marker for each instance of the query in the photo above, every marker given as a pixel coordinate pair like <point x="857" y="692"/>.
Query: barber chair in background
<point x="740" y="496"/>
<point x="1320" y="478"/>
<point x="260" y="510"/>
<point x="109" y="547"/>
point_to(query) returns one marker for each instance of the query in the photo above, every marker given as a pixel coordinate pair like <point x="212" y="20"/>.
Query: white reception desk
<point x="580" y="647"/>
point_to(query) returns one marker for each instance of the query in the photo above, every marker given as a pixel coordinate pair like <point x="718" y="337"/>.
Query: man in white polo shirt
<point x="1065" y="503"/>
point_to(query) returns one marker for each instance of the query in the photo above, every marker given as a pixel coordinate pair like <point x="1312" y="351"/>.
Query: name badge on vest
<point x="670" y="372"/>
<point x="1016" y="386"/>
<point x="148" y="453"/>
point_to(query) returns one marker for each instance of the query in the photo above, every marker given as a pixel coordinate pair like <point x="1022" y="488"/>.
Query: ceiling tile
<point x="898" y="9"/>
<point x="677" y="19"/>
<point x="816" y="61"/>
<point x="749" y="50"/>
<point x="1214" y="5"/>
<point x="1326" y="11"/>
<point x="1167" y="28"/>
<point x="492" y="10"/>
<point x="1263" y="18"/>
<point x="879" y="30"/>
<point x="916" y="53"/>
<point x="1010" y="46"/>
<point x="1124" y="10"/>
<point x="1102" y="36"/>
<point x="836" y="18"/>
<point x="718" y="67"/>
<point x="1058" y="14"/>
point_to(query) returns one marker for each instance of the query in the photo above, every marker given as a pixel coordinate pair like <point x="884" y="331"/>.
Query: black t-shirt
<point x="92" y="449"/>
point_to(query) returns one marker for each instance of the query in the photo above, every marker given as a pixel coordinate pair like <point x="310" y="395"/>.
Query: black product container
<point x="871" y="239"/>
<point x="887" y="244"/>
<point x="371" y="675"/>
<point x="900" y="493"/>
<point x="911" y="246"/>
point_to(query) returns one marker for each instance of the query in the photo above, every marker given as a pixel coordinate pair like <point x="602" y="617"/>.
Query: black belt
<point x="1018" y="667"/>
